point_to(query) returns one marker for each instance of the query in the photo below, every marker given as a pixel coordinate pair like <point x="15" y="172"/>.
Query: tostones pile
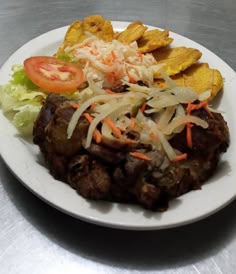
<point x="181" y="64"/>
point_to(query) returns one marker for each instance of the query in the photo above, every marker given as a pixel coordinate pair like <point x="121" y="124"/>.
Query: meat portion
<point x="89" y="177"/>
<point x="109" y="172"/>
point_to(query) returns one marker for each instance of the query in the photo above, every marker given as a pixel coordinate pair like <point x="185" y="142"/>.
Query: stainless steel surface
<point x="34" y="237"/>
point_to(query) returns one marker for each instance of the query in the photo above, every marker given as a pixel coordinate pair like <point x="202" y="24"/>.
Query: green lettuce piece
<point x="24" y="118"/>
<point x="22" y="105"/>
<point x="68" y="58"/>
<point x="20" y="78"/>
<point x="21" y="100"/>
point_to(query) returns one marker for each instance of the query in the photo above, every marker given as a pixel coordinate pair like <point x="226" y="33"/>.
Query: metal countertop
<point x="36" y="238"/>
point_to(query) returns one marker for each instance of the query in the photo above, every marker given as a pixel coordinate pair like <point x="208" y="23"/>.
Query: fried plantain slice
<point x="73" y="35"/>
<point x="154" y="39"/>
<point x="98" y="26"/>
<point x="94" y="24"/>
<point x="175" y="60"/>
<point x="132" y="33"/>
<point x="200" y="77"/>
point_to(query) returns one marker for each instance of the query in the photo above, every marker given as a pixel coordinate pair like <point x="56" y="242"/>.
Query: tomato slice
<point x="52" y="74"/>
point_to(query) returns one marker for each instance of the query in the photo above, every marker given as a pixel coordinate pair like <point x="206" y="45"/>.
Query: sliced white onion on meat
<point x="180" y="112"/>
<point x="184" y="94"/>
<point x="136" y="87"/>
<point x="98" y="119"/>
<point x="165" y="117"/>
<point x="170" y="152"/>
<point x="76" y="115"/>
<point x="178" y="121"/>
<point x="161" y="101"/>
<point x="107" y="136"/>
<point x="123" y="122"/>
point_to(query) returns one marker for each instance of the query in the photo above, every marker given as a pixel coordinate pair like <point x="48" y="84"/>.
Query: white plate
<point x="25" y="162"/>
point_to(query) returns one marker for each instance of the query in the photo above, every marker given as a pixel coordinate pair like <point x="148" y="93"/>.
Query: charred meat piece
<point x="109" y="172"/>
<point x="56" y="131"/>
<point x="89" y="177"/>
<point x="47" y="111"/>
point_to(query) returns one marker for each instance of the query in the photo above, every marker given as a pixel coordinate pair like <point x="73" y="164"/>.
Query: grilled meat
<point x="108" y="172"/>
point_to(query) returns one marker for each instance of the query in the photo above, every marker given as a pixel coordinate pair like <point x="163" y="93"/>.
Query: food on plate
<point x="154" y="39"/>
<point x="74" y="34"/>
<point x="175" y="60"/>
<point x="128" y="163"/>
<point x="132" y="33"/>
<point x="112" y="62"/>
<point x="200" y="77"/>
<point x="121" y="116"/>
<point x="53" y="74"/>
<point x="98" y="26"/>
<point x="94" y="24"/>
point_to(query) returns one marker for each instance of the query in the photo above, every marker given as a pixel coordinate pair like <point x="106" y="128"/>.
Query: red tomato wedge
<point x="52" y="74"/>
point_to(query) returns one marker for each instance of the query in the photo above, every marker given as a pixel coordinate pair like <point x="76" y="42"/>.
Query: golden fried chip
<point x="132" y="33"/>
<point x="73" y="35"/>
<point x="154" y="39"/>
<point x="98" y="26"/>
<point x="175" y="60"/>
<point x="94" y="24"/>
<point x="200" y="77"/>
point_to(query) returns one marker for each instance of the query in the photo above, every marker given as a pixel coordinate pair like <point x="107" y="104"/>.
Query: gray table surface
<point x="34" y="237"/>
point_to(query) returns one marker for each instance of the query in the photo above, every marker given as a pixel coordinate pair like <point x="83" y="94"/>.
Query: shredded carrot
<point x="113" y="54"/>
<point x="96" y="134"/>
<point x="202" y="104"/>
<point x="189" y="109"/>
<point x="180" y="157"/>
<point x="109" y="91"/>
<point x="93" y="105"/>
<point x="88" y="117"/>
<point x="140" y="155"/>
<point x="189" y="135"/>
<point x="111" y="78"/>
<point x="140" y="56"/>
<point x="143" y="107"/>
<point x="131" y="78"/>
<point x="107" y="62"/>
<point x="128" y="140"/>
<point x="132" y="122"/>
<point x="154" y="136"/>
<point x="112" y="126"/>
<point x="74" y="105"/>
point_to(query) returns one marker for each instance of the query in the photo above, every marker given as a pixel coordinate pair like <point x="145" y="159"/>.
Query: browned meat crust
<point x="110" y="173"/>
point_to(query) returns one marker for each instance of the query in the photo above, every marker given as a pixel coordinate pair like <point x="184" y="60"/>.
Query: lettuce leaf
<point x="20" y="78"/>
<point x="22" y="105"/>
<point x="21" y="100"/>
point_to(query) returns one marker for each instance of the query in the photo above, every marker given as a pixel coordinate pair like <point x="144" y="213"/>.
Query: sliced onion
<point x="165" y="117"/>
<point x="203" y="96"/>
<point x="180" y="112"/>
<point x="170" y="83"/>
<point x="162" y="101"/>
<point x="184" y="94"/>
<point x="96" y="88"/>
<point x="76" y="115"/>
<point x="98" y="119"/>
<point x="178" y="121"/>
<point x="170" y="152"/>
